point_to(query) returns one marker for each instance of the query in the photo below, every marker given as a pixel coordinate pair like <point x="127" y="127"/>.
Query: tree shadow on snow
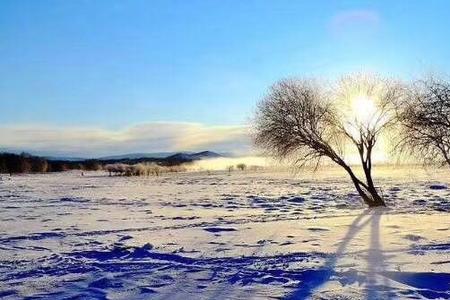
<point x="375" y="261"/>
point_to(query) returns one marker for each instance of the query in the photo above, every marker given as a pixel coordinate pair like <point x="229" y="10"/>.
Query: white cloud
<point x="148" y="137"/>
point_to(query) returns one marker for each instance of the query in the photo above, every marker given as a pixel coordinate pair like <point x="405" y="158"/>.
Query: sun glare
<point x="363" y="108"/>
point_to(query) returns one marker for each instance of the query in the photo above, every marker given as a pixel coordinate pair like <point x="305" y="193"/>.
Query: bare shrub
<point x="425" y="121"/>
<point x="116" y="169"/>
<point x="142" y="169"/>
<point x="241" y="166"/>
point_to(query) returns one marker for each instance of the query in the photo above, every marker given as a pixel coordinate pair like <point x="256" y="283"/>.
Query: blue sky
<point x="112" y="66"/>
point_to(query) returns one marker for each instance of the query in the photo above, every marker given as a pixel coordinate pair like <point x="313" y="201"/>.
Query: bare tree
<point x="425" y="121"/>
<point x="300" y="119"/>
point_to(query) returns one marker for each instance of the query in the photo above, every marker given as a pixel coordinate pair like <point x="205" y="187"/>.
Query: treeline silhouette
<point x="25" y="163"/>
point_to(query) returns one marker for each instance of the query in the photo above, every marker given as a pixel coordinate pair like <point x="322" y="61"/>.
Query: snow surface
<point x="248" y="235"/>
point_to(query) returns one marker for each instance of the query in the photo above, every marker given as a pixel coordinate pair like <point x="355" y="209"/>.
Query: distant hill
<point x="41" y="155"/>
<point x="162" y="158"/>
<point x="137" y="156"/>
<point x="64" y="158"/>
<point x="173" y="159"/>
<point x="183" y="156"/>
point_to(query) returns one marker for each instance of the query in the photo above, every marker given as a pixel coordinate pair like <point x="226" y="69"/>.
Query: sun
<point x="364" y="109"/>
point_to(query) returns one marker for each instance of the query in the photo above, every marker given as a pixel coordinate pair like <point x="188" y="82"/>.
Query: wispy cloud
<point x="354" y="19"/>
<point x="148" y="137"/>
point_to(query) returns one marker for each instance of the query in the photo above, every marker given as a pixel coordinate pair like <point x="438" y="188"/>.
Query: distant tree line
<point x="25" y="163"/>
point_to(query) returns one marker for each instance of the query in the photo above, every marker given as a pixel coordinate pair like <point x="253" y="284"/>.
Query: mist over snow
<point x="222" y="163"/>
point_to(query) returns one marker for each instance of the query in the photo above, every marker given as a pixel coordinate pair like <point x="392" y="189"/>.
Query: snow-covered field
<point x="248" y="235"/>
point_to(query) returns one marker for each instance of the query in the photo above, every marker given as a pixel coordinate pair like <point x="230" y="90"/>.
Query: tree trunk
<point x="369" y="194"/>
<point x="377" y="200"/>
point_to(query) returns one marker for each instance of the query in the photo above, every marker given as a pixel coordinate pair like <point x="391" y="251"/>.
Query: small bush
<point x="241" y="166"/>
